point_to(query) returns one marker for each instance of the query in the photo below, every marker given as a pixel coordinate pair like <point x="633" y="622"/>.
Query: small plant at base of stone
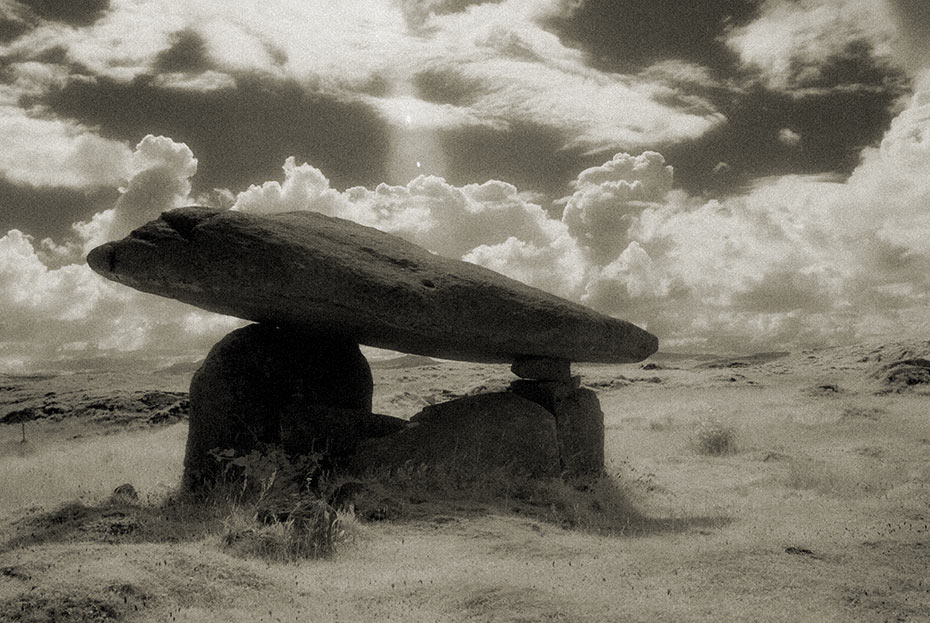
<point x="715" y="439"/>
<point x="311" y="529"/>
<point x="277" y="511"/>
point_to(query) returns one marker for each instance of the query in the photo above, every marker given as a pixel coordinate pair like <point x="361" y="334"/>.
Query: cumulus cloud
<point x="54" y="152"/>
<point x="610" y="198"/>
<point x="304" y="188"/>
<point x="796" y="260"/>
<point x="54" y="306"/>
<point x="427" y="210"/>
<point x="160" y="180"/>
<point x="49" y="314"/>
<point x="792" y="42"/>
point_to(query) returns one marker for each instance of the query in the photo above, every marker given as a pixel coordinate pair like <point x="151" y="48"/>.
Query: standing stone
<point x="256" y="379"/>
<point x="579" y="422"/>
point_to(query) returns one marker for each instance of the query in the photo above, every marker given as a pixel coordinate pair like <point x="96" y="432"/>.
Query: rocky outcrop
<point x="905" y="374"/>
<point x="333" y="276"/>
<point x="268" y="385"/>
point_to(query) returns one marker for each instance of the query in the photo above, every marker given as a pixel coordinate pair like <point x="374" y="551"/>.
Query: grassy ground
<point x="816" y="510"/>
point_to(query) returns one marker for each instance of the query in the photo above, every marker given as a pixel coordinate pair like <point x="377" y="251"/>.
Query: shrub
<point x="266" y="475"/>
<point x="716" y="439"/>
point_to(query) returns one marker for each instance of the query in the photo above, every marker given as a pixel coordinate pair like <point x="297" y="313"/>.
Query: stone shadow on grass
<point x="597" y="505"/>
<point x="404" y="496"/>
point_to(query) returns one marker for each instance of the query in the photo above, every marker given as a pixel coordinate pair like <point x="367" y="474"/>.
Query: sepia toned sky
<point x="734" y="176"/>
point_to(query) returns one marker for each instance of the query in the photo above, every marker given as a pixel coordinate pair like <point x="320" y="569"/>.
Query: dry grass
<point x="38" y="473"/>
<point x="821" y="515"/>
<point x="310" y="530"/>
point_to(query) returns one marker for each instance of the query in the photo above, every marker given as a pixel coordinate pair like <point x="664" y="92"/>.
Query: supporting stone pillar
<point x="268" y="385"/>
<point x="578" y="416"/>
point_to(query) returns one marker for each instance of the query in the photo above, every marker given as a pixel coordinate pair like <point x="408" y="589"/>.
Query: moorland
<point x="776" y="487"/>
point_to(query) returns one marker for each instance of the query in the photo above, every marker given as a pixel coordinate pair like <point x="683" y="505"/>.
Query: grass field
<point x="782" y="490"/>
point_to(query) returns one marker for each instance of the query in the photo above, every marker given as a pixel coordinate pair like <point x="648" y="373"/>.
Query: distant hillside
<point x="747" y="360"/>
<point x="664" y="356"/>
<point x="181" y="367"/>
<point x="404" y="361"/>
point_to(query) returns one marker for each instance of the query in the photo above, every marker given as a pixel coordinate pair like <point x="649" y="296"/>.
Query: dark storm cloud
<point x="241" y="135"/>
<point x="72" y="12"/>
<point x="445" y="86"/>
<point x="527" y="155"/>
<point x="46" y="211"/>
<point x="14" y="23"/>
<point x="834" y="128"/>
<point x="913" y="17"/>
<point x="844" y="107"/>
<point x="188" y="53"/>
<point x="629" y="35"/>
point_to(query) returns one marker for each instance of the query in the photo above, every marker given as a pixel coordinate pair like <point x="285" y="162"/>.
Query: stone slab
<point x="327" y="274"/>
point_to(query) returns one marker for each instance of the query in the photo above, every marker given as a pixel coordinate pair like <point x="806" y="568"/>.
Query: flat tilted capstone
<point x="309" y="270"/>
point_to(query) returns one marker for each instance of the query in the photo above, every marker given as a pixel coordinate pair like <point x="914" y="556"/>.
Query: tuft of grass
<point x="312" y="529"/>
<point x="276" y="508"/>
<point x="715" y="439"/>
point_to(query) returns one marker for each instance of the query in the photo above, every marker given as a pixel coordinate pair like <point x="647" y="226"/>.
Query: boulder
<point x="124" y="494"/>
<point x="579" y="423"/>
<point x="470" y="438"/>
<point x="332" y="276"/>
<point x="332" y="431"/>
<point x="259" y="384"/>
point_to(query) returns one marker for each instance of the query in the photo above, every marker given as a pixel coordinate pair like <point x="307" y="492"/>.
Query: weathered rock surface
<point x="469" y="438"/>
<point x="579" y="423"/>
<point x="332" y="430"/>
<point x="260" y="384"/>
<point x="334" y="276"/>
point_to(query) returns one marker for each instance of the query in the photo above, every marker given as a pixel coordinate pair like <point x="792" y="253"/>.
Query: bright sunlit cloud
<point x="808" y="256"/>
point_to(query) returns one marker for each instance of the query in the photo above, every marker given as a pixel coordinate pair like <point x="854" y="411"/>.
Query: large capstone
<point x="332" y="276"/>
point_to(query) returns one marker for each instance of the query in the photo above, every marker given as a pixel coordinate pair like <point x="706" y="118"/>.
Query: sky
<point x="734" y="176"/>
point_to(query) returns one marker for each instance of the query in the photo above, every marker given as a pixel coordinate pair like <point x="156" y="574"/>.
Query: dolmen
<point x="316" y="288"/>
